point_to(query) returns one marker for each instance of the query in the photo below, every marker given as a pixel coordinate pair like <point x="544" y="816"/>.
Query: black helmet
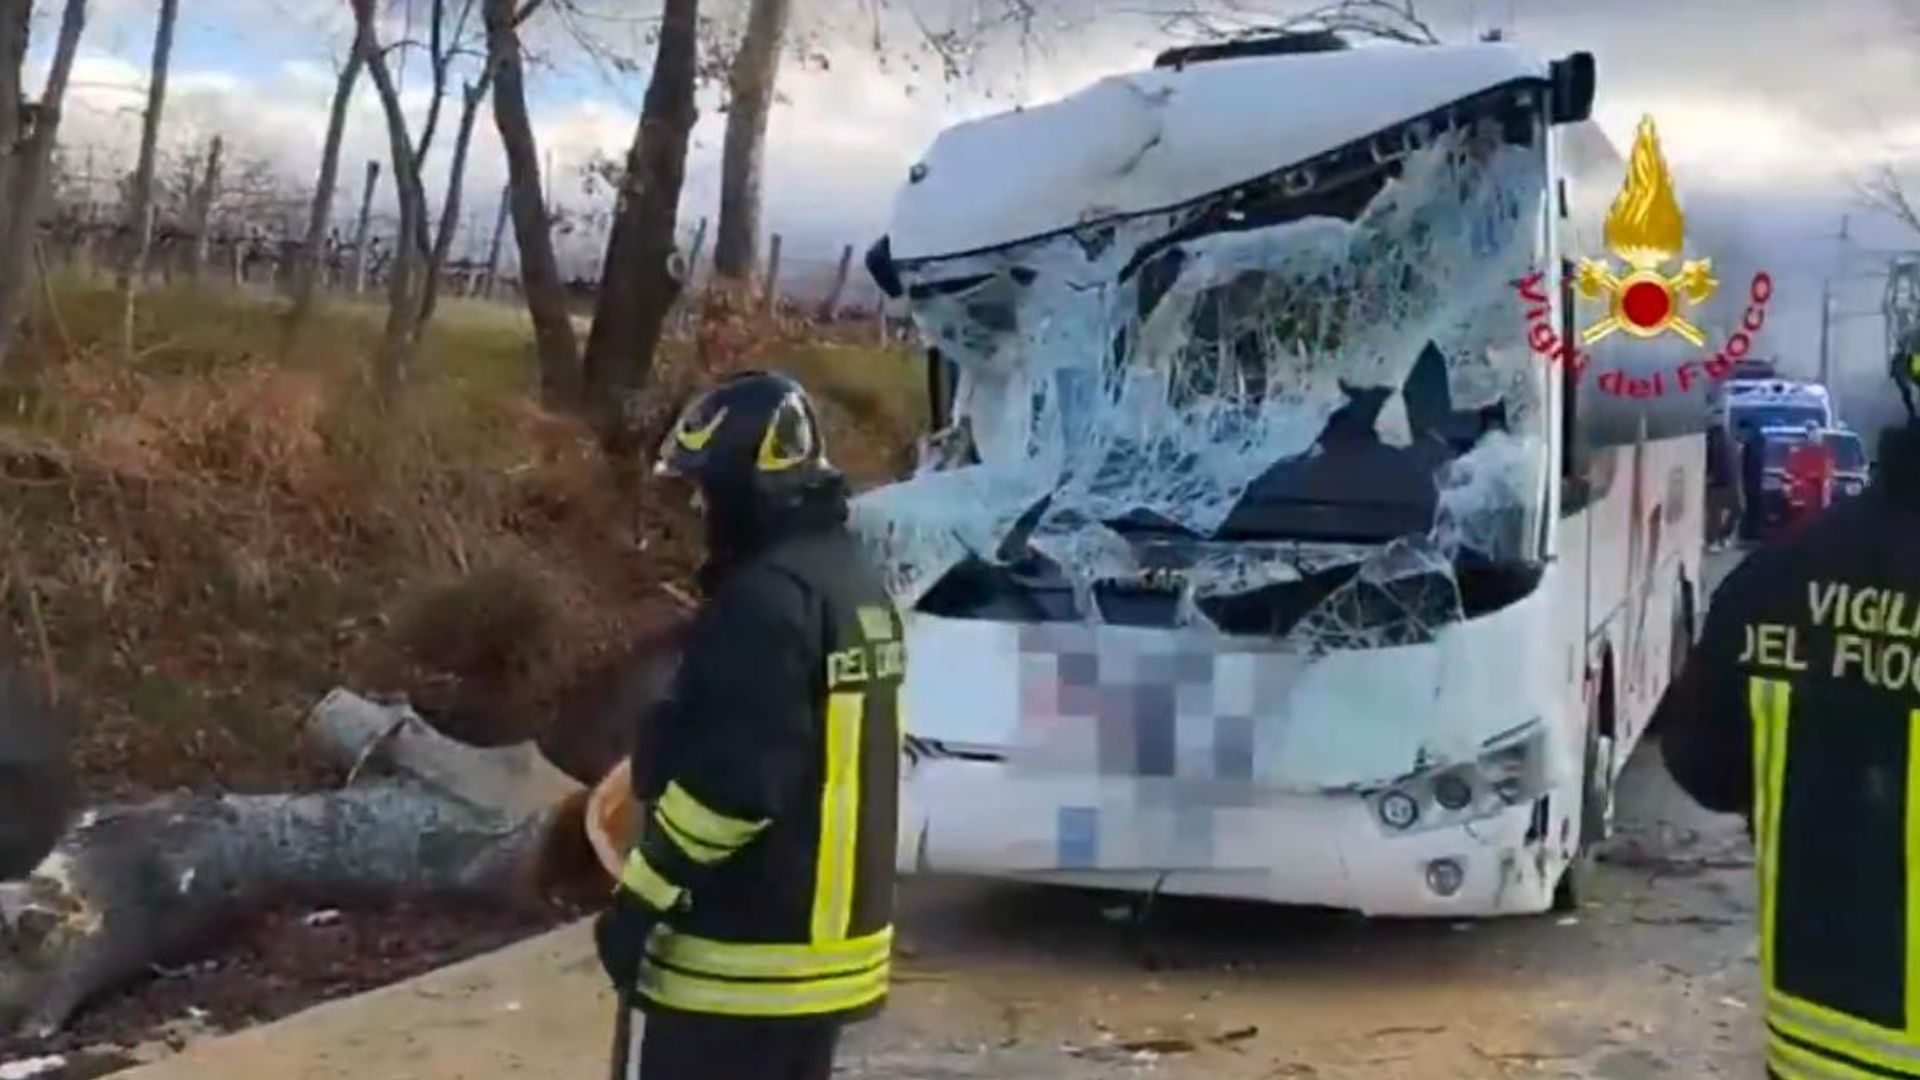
<point x="752" y="438"/>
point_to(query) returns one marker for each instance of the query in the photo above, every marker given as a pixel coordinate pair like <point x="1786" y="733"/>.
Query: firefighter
<point x="1809" y="479"/>
<point x="1800" y="708"/>
<point x="754" y="918"/>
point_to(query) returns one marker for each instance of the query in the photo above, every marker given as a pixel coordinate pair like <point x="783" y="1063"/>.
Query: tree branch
<point x="1884" y="191"/>
<point x="1384" y="20"/>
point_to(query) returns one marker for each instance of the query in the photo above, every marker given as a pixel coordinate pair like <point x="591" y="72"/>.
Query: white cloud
<point x="1768" y="109"/>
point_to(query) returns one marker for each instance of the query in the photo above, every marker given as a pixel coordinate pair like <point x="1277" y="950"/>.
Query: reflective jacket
<point x="772" y="781"/>
<point x="1800" y="707"/>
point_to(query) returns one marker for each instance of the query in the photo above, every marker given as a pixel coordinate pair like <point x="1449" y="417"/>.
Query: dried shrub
<point x="208" y="538"/>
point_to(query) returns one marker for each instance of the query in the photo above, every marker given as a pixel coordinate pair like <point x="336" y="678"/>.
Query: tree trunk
<point x="306" y="275"/>
<point x="363" y="231"/>
<point x="770" y="293"/>
<point x="30" y="155"/>
<point x="831" y="305"/>
<point x="201" y="213"/>
<point x="546" y="296"/>
<point x="16" y="19"/>
<point x="476" y="93"/>
<point x="132" y="886"/>
<point x="401" y="337"/>
<point x="133" y="266"/>
<point x="638" y="286"/>
<point x="493" y="246"/>
<point x="690" y="269"/>
<point x="749" y="102"/>
<point x="439" y="60"/>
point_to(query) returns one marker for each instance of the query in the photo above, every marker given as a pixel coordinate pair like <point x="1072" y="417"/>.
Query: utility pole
<point x="1826" y="312"/>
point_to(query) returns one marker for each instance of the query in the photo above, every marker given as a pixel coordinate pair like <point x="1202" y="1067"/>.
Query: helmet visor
<point x="683" y="451"/>
<point x="790" y="439"/>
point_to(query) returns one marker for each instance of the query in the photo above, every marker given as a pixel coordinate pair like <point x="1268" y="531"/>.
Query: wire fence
<point x="250" y="232"/>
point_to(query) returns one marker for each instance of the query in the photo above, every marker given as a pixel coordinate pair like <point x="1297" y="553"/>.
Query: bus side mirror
<point x="1573" y="80"/>
<point x="880" y="268"/>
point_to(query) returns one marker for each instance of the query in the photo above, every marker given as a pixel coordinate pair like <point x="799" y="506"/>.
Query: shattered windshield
<point x="1319" y="372"/>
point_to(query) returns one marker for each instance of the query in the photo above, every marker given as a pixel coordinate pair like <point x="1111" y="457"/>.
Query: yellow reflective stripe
<point x="839" y="819"/>
<point x="1770" y="702"/>
<point x="696" y="439"/>
<point x="1912" y="873"/>
<point x="1839" y="1033"/>
<point x="695" y="819"/>
<point x="695" y="994"/>
<point x="753" y="960"/>
<point x="876" y="623"/>
<point x="640" y="878"/>
<point x="1799" y="1063"/>
<point x="692" y="847"/>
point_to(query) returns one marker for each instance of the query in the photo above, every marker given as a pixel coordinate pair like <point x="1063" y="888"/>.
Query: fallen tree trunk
<point x="144" y="885"/>
<point x="135" y="886"/>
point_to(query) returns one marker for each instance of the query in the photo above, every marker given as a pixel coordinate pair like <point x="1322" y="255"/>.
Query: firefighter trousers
<point x="675" y="1046"/>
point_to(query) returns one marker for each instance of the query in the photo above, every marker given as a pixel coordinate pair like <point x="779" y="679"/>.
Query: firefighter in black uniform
<point x="755" y="915"/>
<point x="1800" y="708"/>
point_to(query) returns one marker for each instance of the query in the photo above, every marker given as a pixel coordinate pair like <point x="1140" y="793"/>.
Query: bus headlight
<point x="1452" y="790"/>
<point x="1510" y="771"/>
<point x="1399" y="810"/>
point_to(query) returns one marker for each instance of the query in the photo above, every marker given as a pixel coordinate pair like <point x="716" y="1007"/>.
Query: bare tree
<point x="307" y="272"/>
<point x="140" y="207"/>
<point x="27" y="138"/>
<point x="1885" y="191"/>
<point x="492" y="273"/>
<point x="546" y="297"/>
<point x="749" y="102"/>
<point x="363" y="230"/>
<point x="446" y="43"/>
<point x="1384" y="20"/>
<point x="474" y="94"/>
<point x="639" y="283"/>
<point x="401" y="338"/>
<point x="200" y="209"/>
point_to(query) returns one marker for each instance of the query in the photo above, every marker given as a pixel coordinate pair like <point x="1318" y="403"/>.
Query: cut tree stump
<point x="362" y="736"/>
<point x="133" y="886"/>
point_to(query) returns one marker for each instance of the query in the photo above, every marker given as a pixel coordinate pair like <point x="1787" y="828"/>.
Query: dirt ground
<point x="1655" y="978"/>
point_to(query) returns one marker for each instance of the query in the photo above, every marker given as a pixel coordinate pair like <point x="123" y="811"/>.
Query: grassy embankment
<point x="200" y="539"/>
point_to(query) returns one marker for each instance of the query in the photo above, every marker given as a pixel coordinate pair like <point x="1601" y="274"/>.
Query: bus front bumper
<point x="1322" y="850"/>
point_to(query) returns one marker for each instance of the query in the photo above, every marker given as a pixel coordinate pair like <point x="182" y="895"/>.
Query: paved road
<point x="1654" y="979"/>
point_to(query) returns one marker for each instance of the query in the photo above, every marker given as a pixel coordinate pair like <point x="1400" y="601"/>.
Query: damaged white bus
<point x="1257" y="555"/>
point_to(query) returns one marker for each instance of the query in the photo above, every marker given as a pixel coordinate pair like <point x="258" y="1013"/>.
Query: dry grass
<point x="202" y="537"/>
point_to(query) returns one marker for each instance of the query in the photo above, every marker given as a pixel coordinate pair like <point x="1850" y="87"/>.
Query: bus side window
<point x="1576" y="491"/>
<point x="942" y="375"/>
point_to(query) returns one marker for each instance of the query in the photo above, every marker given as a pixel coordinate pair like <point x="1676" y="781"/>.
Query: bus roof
<point x="1156" y="139"/>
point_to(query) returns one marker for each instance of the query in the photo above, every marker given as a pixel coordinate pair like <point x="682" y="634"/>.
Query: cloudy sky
<point x="1771" y="111"/>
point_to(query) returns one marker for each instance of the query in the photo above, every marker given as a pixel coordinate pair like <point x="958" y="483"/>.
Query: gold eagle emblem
<point x="1646" y="231"/>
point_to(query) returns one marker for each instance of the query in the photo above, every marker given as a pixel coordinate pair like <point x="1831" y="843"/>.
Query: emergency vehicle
<point x="1851" y="471"/>
<point x="1776" y="402"/>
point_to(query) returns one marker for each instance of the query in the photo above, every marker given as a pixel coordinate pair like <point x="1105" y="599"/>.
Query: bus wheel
<point x="1596" y="812"/>
<point x="1681" y="642"/>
